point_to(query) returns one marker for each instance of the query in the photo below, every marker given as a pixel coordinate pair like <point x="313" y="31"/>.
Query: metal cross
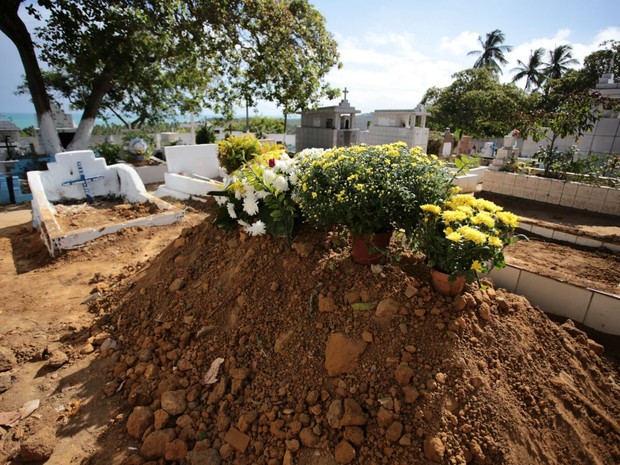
<point x="84" y="182"/>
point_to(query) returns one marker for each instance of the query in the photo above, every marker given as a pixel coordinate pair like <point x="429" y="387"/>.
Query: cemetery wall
<point x="600" y="199"/>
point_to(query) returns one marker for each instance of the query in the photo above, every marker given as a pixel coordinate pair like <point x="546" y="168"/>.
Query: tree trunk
<point x="284" y="138"/>
<point x="247" y="116"/>
<point x="93" y="104"/>
<point x="15" y="29"/>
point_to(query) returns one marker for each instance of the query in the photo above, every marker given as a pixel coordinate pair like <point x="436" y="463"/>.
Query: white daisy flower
<point x="231" y="211"/>
<point x="281" y="184"/>
<point x="250" y="204"/>
<point x="269" y="176"/>
<point x="293" y="179"/>
<point x="257" y="229"/>
<point x="221" y="200"/>
<point x="262" y="194"/>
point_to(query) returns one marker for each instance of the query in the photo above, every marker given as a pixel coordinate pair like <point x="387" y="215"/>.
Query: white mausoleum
<point x="328" y="127"/>
<point x="408" y="126"/>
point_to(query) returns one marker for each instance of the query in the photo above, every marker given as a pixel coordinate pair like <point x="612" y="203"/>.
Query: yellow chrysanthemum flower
<point x="482" y="204"/>
<point x="454" y="237"/>
<point x="495" y="242"/>
<point x="431" y="208"/>
<point x="462" y="199"/>
<point x="450" y="216"/>
<point x="485" y="219"/>
<point x="465" y="209"/>
<point x="473" y="235"/>
<point x="477" y="266"/>
<point x="509" y="219"/>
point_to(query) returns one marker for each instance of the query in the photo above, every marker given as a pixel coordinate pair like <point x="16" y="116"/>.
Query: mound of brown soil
<point x="326" y="361"/>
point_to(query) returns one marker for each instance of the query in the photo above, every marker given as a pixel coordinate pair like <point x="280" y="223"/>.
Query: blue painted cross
<point x="83" y="181"/>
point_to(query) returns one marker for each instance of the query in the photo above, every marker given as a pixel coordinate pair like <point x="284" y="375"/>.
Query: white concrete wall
<point x="65" y="169"/>
<point x="198" y="159"/>
<point x="595" y="309"/>
<point x="554" y="191"/>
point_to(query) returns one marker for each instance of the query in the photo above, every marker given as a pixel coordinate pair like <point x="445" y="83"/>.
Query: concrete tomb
<point x="79" y="175"/>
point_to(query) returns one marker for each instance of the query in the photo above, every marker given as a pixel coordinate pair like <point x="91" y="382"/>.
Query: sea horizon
<point x="24" y="120"/>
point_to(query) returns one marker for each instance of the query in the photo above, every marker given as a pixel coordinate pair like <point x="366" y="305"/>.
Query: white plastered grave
<point x="193" y="171"/>
<point x="117" y="180"/>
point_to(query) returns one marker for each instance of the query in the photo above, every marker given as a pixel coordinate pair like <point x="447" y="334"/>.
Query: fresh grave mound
<point x="101" y="212"/>
<point x="326" y="361"/>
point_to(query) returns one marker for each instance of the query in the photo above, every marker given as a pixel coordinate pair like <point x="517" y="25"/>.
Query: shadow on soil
<point x="29" y="251"/>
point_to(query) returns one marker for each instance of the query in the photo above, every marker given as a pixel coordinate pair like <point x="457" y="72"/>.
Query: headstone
<point x="464" y="145"/>
<point x="448" y="140"/>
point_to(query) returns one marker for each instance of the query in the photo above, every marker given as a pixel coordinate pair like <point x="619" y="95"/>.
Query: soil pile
<point x="326" y="361"/>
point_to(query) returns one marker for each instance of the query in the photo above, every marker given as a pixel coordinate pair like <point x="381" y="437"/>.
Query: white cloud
<point x="389" y="71"/>
<point x="385" y="71"/>
<point x="463" y="43"/>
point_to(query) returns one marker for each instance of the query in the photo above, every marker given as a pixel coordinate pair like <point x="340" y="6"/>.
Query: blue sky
<point x="393" y="50"/>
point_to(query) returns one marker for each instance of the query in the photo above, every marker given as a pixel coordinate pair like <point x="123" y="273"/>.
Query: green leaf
<point x="363" y="306"/>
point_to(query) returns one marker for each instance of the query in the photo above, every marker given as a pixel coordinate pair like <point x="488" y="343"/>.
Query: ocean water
<point x="24" y="120"/>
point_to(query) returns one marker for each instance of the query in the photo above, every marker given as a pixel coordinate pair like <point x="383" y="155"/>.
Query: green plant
<point x="205" y="135"/>
<point x="369" y="189"/>
<point x="108" y="151"/>
<point x="234" y="152"/>
<point x="464" y="235"/>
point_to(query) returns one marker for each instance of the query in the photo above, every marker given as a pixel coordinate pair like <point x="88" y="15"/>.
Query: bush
<point x="369" y="189"/>
<point x="234" y="152"/>
<point x="205" y="135"/>
<point x="109" y="151"/>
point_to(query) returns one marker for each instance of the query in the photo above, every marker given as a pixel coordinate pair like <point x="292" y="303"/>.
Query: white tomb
<point x="193" y="171"/>
<point x="328" y="127"/>
<point x="408" y="126"/>
<point x="80" y="175"/>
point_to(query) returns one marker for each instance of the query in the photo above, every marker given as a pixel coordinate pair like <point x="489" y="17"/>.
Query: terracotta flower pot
<point x="445" y="287"/>
<point x="368" y="249"/>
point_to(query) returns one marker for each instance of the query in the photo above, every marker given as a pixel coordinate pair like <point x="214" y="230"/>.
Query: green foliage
<point x="476" y="104"/>
<point x="205" y="135"/>
<point x="564" y="112"/>
<point x="435" y="143"/>
<point x="30" y="131"/>
<point x="293" y="60"/>
<point x="559" y="60"/>
<point x="147" y="60"/>
<point x="570" y="165"/>
<point x="464" y="235"/>
<point x="234" y="152"/>
<point x="492" y="53"/>
<point x="368" y="189"/>
<point x="531" y="71"/>
<point x="110" y="151"/>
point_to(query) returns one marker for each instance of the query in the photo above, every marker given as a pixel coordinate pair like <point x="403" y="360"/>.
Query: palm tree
<point x="531" y="70"/>
<point x="492" y="51"/>
<point x="559" y="59"/>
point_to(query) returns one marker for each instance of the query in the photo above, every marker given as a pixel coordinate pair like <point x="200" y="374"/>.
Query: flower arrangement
<point x="465" y="236"/>
<point x="137" y="147"/>
<point x="257" y="195"/>
<point x="369" y="189"/>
